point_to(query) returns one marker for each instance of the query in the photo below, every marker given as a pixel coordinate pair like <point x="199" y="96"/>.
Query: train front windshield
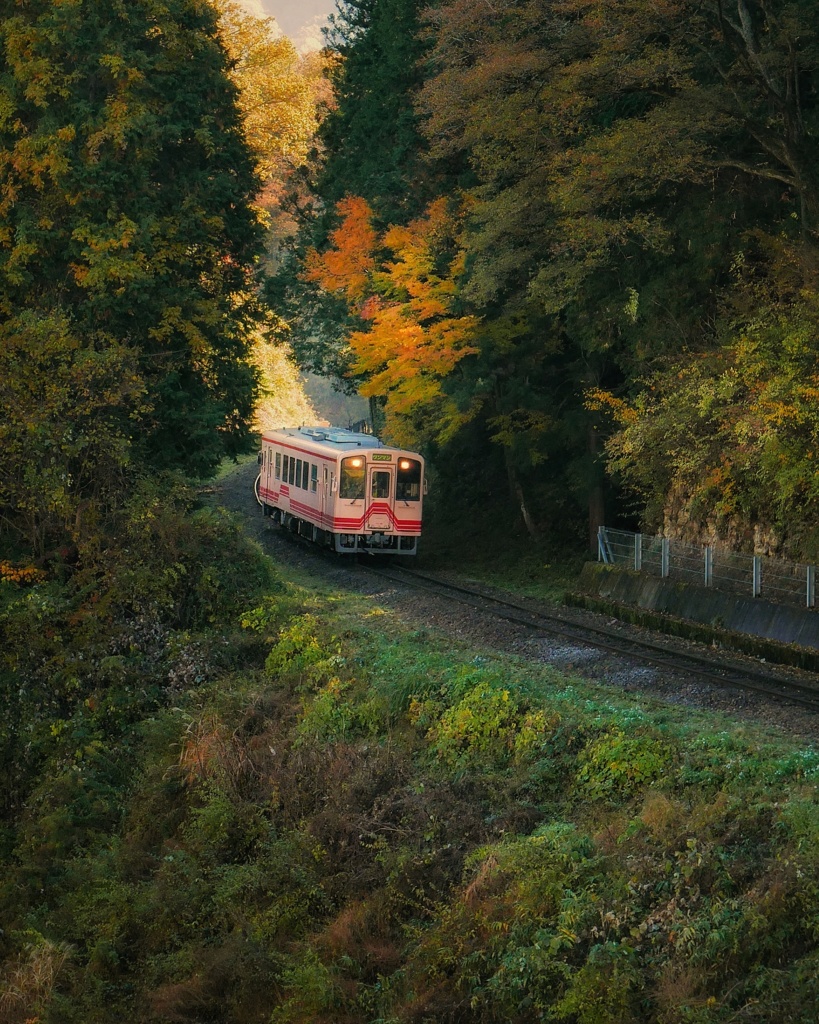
<point x="408" y="480"/>
<point x="352" y="482"/>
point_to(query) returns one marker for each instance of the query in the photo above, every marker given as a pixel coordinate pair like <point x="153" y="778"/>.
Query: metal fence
<point x="754" y="575"/>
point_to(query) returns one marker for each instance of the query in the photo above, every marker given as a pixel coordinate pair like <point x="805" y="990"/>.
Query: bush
<point x="616" y="766"/>
<point x="487" y="727"/>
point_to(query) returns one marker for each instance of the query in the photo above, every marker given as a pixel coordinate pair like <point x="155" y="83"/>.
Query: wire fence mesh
<point x="753" y="575"/>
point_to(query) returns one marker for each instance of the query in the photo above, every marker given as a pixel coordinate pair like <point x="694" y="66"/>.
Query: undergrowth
<point x="231" y="798"/>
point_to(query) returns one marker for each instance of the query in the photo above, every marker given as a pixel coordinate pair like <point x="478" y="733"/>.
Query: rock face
<point x="682" y="523"/>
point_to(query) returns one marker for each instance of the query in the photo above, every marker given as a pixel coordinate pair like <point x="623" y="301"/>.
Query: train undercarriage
<point x="344" y="543"/>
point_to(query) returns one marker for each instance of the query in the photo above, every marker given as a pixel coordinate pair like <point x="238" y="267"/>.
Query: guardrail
<point x="755" y="575"/>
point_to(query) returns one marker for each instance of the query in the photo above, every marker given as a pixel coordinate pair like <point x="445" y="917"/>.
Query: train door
<point x="325" y="499"/>
<point x="269" y="483"/>
<point x="380" y="497"/>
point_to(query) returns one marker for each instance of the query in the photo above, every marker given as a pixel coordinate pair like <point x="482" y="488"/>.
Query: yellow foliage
<point x="278" y="88"/>
<point x="283" y="402"/>
<point x="598" y="400"/>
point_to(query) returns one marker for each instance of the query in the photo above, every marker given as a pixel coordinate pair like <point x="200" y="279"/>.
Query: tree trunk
<point x="376" y="414"/>
<point x="596" y="485"/>
<point x="516" y="489"/>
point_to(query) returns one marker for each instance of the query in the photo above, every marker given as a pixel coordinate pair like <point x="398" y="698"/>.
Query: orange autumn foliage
<point x="347" y="266"/>
<point x="21" y="574"/>
<point x="413" y="339"/>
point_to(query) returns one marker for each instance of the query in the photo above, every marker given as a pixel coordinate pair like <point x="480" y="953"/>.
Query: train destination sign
<point x="381" y="457"/>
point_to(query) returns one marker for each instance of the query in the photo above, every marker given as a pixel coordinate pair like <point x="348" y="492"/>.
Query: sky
<point x="300" y="20"/>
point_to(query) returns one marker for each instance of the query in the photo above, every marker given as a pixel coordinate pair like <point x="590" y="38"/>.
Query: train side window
<point x="313" y="477"/>
<point x="408" y="480"/>
<point x="352" y="478"/>
<point x="291" y="476"/>
<point x="380" y="484"/>
<point x="286" y="468"/>
<point x="298" y="472"/>
<point x="278" y="465"/>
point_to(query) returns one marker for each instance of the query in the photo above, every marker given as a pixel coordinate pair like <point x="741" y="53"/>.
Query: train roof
<point x="337" y="436"/>
<point x="330" y="437"/>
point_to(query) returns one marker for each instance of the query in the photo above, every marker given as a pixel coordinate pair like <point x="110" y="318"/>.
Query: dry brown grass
<point x="361" y="932"/>
<point x="27" y="983"/>
<point x="483" y="883"/>
<point x="680" y="988"/>
<point x="662" y="816"/>
<point x="210" y="750"/>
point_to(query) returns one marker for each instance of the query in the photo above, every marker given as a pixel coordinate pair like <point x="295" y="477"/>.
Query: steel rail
<point x="721" y="672"/>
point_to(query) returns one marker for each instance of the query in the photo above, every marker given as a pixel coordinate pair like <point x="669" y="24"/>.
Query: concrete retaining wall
<point x="753" y="616"/>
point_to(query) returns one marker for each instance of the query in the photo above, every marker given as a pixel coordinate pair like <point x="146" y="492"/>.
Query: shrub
<point x="615" y="766"/>
<point x="165" y="558"/>
<point x="301" y="655"/>
<point x="487" y="727"/>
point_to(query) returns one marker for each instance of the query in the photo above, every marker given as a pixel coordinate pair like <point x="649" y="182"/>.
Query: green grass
<point x="227" y="467"/>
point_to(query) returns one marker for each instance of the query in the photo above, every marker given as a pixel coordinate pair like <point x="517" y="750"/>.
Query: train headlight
<point x="404" y="464"/>
<point x="356" y="462"/>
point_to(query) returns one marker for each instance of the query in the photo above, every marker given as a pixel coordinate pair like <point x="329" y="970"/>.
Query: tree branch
<point x="759" y="172"/>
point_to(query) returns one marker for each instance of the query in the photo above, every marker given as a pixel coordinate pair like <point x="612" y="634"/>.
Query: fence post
<point x="638" y="551"/>
<point x="757" y="576"/>
<point x="665" y="557"/>
<point x="810" y="597"/>
<point x="709" y="565"/>
<point x="601" y="555"/>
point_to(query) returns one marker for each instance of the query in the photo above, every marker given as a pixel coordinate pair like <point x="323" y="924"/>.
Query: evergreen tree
<point x="374" y="149"/>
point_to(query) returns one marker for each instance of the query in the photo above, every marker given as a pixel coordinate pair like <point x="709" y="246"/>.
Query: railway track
<point x="722" y="672"/>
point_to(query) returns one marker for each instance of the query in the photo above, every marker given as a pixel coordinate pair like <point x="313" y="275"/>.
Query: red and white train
<point x="344" y="490"/>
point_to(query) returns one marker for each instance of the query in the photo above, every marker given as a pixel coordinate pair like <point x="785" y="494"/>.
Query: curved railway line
<point x="718" y="671"/>
<point x="738" y="673"/>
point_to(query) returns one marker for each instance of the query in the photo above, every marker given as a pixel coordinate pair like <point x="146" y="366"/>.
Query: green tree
<point x="726" y="438"/>
<point x="125" y="209"/>
<point x="612" y="162"/>
<point x="64" y="434"/>
<point x="721" y="432"/>
<point x="620" y="154"/>
<point x="373" y="146"/>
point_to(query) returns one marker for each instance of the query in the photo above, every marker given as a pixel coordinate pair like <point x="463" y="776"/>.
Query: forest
<point x="573" y="245"/>
<point x="568" y="250"/>
<point x="567" y="247"/>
